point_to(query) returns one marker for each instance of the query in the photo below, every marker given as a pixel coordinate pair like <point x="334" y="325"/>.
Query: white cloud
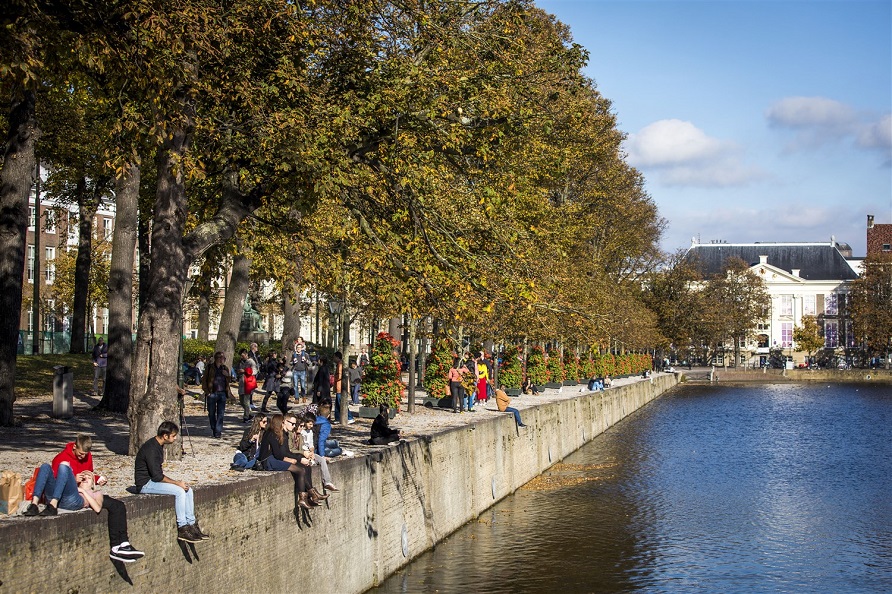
<point x="818" y="121"/>
<point x="811" y="112"/>
<point x="678" y="153"/>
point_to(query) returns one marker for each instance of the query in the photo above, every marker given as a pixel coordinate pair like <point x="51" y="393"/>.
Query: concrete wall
<point x="393" y="506"/>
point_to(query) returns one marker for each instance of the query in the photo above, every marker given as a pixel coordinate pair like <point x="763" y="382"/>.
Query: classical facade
<point x="800" y="279"/>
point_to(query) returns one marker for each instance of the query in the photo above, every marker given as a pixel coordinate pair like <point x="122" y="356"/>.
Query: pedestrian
<point x="148" y="473"/>
<point x="244" y="396"/>
<point x="215" y="384"/>
<point x="100" y="364"/>
<point x="355" y="382"/>
<point x="299" y="364"/>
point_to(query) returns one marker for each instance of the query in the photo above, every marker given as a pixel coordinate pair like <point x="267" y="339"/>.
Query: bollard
<point x="63" y="392"/>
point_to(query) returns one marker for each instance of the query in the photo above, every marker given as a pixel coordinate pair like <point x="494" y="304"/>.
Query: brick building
<point x="879" y="237"/>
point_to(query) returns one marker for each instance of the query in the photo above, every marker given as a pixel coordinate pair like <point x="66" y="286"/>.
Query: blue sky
<point x="750" y="120"/>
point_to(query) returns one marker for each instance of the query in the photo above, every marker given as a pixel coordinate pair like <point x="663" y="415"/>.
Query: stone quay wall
<point x="393" y="505"/>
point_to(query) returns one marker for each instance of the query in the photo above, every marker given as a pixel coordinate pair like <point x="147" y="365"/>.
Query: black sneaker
<point x="187" y="534"/>
<point x="31" y="510"/>
<point x="49" y="510"/>
<point x="197" y="529"/>
<point x="125" y="552"/>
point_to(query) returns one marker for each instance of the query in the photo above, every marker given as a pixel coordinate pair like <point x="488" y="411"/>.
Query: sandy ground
<point x="40" y="436"/>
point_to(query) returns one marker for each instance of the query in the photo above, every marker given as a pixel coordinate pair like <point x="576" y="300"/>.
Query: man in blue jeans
<point x="150" y="480"/>
<point x="215" y="383"/>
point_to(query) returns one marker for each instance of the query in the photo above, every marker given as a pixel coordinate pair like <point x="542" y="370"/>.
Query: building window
<point x="31" y="320"/>
<point x="49" y="323"/>
<point x="850" y="334"/>
<point x="50" y="268"/>
<point x="32" y="217"/>
<point x="831" y="334"/>
<point x="786" y="334"/>
<point x="830" y="304"/>
<point x="30" y="263"/>
<point x="104" y="321"/>
<point x="50" y="216"/>
<point x="808" y="305"/>
<point x="107" y="228"/>
<point x="887" y="247"/>
<point x="786" y="305"/>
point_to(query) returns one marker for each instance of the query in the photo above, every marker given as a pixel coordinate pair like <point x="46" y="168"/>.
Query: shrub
<point x="587" y="367"/>
<point x="536" y="369"/>
<point x="436" y="371"/>
<point x="571" y="366"/>
<point x="381" y="383"/>
<point x="555" y="366"/>
<point x="511" y="369"/>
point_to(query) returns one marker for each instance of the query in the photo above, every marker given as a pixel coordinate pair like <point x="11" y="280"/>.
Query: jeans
<point x="469" y="397"/>
<point x="354" y="392"/>
<point x="99" y="371"/>
<point x="240" y="459"/>
<point x="216" y="410"/>
<point x="455" y="388"/>
<point x="516" y="412"/>
<point x="183" y="504"/>
<point x="337" y="409"/>
<point x="62" y="487"/>
<point x="299" y="381"/>
<point x="245" y="401"/>
<point x="332" y="448"/>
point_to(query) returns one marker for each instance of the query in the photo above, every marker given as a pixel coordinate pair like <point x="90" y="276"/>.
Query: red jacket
<point x="77" y="466"/>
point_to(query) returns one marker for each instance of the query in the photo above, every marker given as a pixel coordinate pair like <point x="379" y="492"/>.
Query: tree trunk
<point x="144" y="225"/>
<point x="413" y="355"/>
<point x="16" y="178"/>
<point x="345" y="375"/>
<point x="153" y="390"/>
<point x="233" y="305"/>
<point x="86" y="207"/>
<point x="116" y="397"/>
<point x="291" y="306"/>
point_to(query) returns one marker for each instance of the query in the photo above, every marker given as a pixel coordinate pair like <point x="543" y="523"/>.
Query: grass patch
<point x="34" y="373"/>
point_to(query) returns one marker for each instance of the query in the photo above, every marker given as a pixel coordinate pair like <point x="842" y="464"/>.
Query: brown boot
<point x="302" y="501"/>
<point x="316" y="496"/>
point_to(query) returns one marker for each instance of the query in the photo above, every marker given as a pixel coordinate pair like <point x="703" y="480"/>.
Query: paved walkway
<point x="206" y="460"/>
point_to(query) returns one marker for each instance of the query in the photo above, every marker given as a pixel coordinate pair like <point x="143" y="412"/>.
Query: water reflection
<point x="766" y="489"/>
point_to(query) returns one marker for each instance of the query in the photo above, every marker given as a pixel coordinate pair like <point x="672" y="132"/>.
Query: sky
<point x="750" y="120"/>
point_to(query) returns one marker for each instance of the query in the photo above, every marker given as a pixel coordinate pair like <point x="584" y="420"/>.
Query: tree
<point x="807" y="336"/>
<point x="871" y="304"/>
<point x="733" y="303"/>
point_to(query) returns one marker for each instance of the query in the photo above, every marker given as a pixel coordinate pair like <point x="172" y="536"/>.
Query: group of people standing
<point x="469" y="381"/>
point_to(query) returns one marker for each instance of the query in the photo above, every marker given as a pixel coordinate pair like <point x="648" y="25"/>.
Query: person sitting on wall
<point x="276" y="455"/>
<point x="330" y="448"/>
<point x="596" y="384"/>
<point x="306" y="445"/>
<point x="59" y="481"/>
<point x="148" y="473"/>
<point x="382" y="434"/>
<point x="502" y="401"/>
<point x="249" y="447"/>
<point x="607" y="381"/>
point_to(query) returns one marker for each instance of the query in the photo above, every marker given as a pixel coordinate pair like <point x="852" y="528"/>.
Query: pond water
<point x="769" y="488"/>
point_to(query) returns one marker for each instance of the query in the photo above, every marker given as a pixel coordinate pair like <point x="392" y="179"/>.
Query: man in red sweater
<point x="59" y="481"/>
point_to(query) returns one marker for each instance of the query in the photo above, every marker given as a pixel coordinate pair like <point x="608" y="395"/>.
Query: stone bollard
<point x="63" y="392"/>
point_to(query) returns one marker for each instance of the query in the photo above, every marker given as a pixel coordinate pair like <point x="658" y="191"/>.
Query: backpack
<point x="250" y="380"/>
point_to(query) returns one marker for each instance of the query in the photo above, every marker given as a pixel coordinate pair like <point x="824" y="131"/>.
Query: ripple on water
<point x="733" y="489"/>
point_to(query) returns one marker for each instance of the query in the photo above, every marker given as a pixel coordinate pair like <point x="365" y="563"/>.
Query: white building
<point x="801" y="279"/>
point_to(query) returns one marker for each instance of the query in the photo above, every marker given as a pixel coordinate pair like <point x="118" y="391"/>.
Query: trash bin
<point x="63" y="392"/>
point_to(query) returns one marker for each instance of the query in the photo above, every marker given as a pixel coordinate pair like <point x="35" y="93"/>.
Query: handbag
<point x="10" y="492"/>
<point x="29" y="486"/>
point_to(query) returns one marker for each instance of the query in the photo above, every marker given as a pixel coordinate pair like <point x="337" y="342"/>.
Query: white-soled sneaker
<point x="125" y="552"/>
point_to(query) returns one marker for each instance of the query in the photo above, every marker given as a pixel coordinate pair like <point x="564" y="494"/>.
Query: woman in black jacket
<point x="322" y="381"/>
<point x="248" y="452"/>
<point x="275" y="454"/>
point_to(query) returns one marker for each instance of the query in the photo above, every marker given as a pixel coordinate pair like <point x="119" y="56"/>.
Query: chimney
<point x="870" y="221"/>
<point x="795" y="271"/>
<point x="763" y="259"/>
